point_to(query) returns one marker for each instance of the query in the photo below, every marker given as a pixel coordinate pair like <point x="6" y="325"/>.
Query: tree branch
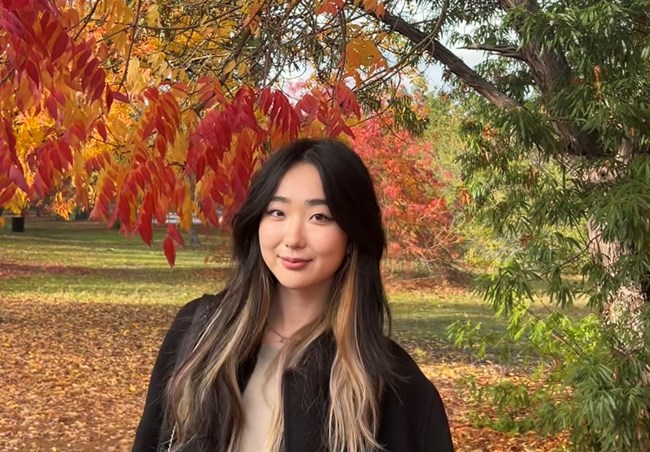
<point x="449" y="59"/>
<point x="505" y="51"/>
<point x="552" y="72"/>
<point x="128" y="54"/>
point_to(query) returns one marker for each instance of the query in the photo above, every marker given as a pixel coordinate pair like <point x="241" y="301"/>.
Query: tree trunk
<point x="194" y="236"/>
<point x="623" y="311"/>
<point x="195" y="241"/>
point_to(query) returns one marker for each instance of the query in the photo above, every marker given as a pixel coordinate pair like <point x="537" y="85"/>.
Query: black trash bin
<point x="18" y="224"/>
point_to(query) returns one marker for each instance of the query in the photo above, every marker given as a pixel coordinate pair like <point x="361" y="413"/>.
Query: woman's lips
<point x="294" y="263"/>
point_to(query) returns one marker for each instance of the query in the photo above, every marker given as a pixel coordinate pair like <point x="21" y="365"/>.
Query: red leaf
<point x="109" y="99"/>
<point x="78" y="130"/>
<point x="91" y="67"/>
<point x="13" y="25"/>
<point x="265" y="100"/>
<point x="17" y="5"/>
<point x="97" y="84"/>
<point x="7" y="194"/>
<point x="66" y="152"/>
<point x="59" y="46"/>
<point x="81" y="61"/>
<point x="32" y="72"/>
<point x="170" y="251"/>
<point x="161" y="127"/>
<point x="171" y="178"/>
<point x="44" y="168"/>
<point x="56" y="161"/>
<point x="139" y="180"/>
<point x="161" y="209"/>
<point x="173" y="233"/>
<point x="17" y="177"/>
<point x="216" y="195"/>
<point x="146" y="174"/>
<point x="200" y="168"/>
<point x="120" y="97"/>
<point x="101" y="129"/>
<point x="39" y="185"/>
<point x="97" y="94"/>
<point x="148" y="205"/>
<point x="145" y="228"/>
<point x="52" y="107"/>
<point x="124" y="212"/>
<point x="11" y="138"/>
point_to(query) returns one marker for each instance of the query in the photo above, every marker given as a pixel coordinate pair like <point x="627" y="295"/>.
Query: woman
<point x="291" y="355"/>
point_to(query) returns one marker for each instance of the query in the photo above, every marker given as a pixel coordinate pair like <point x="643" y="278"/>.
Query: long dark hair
<point x="204" y="396"/>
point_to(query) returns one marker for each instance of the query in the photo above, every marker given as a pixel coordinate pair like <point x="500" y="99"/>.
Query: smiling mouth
<point x="294" y="260"/>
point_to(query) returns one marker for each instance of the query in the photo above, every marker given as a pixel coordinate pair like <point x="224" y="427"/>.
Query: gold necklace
<point x="283" y="339"/>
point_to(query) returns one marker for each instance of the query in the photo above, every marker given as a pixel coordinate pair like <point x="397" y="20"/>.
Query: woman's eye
<point x="320" y="217"/>
<point x="274" y="213"/>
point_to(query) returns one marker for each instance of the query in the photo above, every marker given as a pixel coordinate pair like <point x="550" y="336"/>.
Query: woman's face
<point x="300" y="242"/>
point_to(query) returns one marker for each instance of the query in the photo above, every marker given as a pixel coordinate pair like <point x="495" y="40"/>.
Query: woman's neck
<point x="293" y="309"/>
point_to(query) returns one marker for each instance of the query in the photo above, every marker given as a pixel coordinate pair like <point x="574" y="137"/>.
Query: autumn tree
<point x="413" y="188"/>
<point x="150" y="107"/>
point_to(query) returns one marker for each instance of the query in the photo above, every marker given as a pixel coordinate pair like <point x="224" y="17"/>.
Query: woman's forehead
<point x="301" y="183"/>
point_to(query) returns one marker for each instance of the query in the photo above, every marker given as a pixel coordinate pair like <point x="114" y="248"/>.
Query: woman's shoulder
<point x="409" y="380"/>
<point x="413" y="409"/>
<point x="198" y="309"/>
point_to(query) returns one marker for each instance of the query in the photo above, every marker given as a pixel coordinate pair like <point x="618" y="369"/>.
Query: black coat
<point x="413" y="415"/>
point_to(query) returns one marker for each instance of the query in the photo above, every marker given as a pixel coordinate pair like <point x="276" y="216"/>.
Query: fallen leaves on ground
<point x="74" y="378"/>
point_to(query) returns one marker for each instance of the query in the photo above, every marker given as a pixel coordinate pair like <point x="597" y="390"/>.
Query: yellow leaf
<point x="186" y="208"/>
<point x="242" y="69"/>
<point x="229" y="67"/>
<point x="134" y="78"/>
<point x="153" y="16"/>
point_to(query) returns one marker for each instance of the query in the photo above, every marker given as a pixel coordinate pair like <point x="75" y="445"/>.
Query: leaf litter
<point x="74" y="377"/>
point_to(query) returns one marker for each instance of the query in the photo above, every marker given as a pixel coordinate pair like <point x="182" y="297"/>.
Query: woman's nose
<point x="294" y="236"/>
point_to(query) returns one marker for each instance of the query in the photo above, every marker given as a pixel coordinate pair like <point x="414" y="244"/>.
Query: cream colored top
<point x="259" y="400"/>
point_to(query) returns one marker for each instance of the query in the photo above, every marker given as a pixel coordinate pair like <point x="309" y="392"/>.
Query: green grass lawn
<point x="84" y="262"/>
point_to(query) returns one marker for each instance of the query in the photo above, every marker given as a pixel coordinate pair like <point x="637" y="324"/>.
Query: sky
<point x="433" y="72"/>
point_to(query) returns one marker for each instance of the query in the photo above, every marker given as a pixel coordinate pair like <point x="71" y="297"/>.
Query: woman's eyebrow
<point x="309" y="202"/>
